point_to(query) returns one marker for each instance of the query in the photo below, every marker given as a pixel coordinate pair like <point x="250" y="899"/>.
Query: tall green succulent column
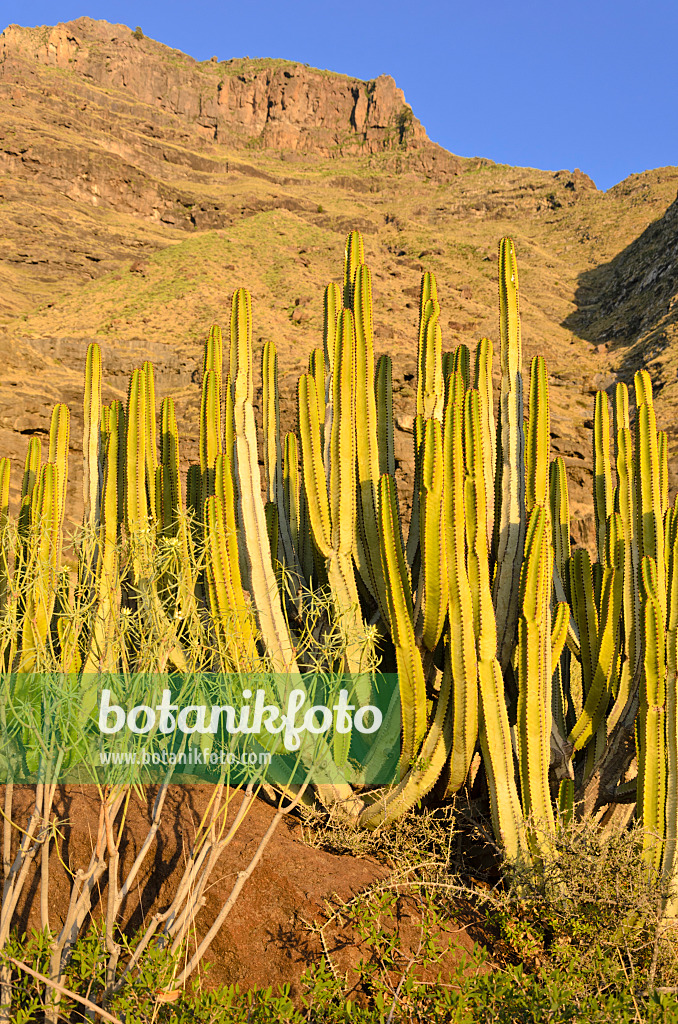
<point x="5" y="471"/>
<point x="366" y="549"/>
<point x="43" y="547"/>
<point x="229" y="611"/>
<point x="495" y="736"/>
<point x="563" y="709"/>
<point x="650" y="527"/>
<point x="627" y="501"/>
<point x="262" y="584"/>
<point x="176" y="525"/>
<point x="651" y="784"/>
<point x="510" y="514"/>
<point x="151" y="448"/>
<point x="670" y="858"/>
<point x="432" y="594"/>
<point x="272" y="453"/>
<point x="603" y="490"/>
<point x="141" y="526"/>
<point x="59" y="437"/>
<point x="92" y="476"/>
<point x="103" y="652"/>
<point x="462" y="641"/>
<point x="137" y="512"/>
<point x="599" y="631"/>
<point x="483" y="385"/>
<point x="424" y="753"/>
<point x="534" y="681"/>
<point x="430" y="392"/>
<point x="332" y="510"/>
<point x="537" y="449"/>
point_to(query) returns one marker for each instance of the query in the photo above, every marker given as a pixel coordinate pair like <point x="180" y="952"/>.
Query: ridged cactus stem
<point x="383" y="390"/>
<point x="428" y="310"/>
<point x="604" y="657"/>
<point x="230" y="614"/>
<point x="210" y="430"/>
<point x="432" y="593"/>
<point x="602" y="471"/>
<point x="213" y="356"/>
<point x="495" y="736"/>
<point x="410" y="668"/>
<point x="102" y="655"/>
<point x="510" y="475"/>
<point x="272" y="454"/>
<point x="5" y="470"/>
<point x="42" y="571"/>
<point x="151" y="441"/>
<point x="663" y="456"/>
<point x="354" y="255"/>
<point x="92" y="470"/>
<point x="670" y="860"/>
<point x="59" y="436"/>
<point x="534" y="681"/>
<point x="292" y="490"/>
<point x="137" y="501"/>
<point x="651" y="787"/>
<point x="367" y="445"/>
<point x="177" y="524"/>
<point x="261" y="579"/>
<point x="538" y="439"/>
<point x="483" y="385"/>
<point x="431" y="396"/>
<point x="648" y="484"/>
<point x="462" y="640"/>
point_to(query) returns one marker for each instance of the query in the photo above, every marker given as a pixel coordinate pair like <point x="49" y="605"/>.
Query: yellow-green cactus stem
<point x="272" y="626"/>
<point x="367" y="444"/>
<point x="651" y="787"/>
<point x="483" y="385"/>
<point x="383" y="389"/>
<point x="272" y="453"/>
<point x="5" y="470"/>
<point x="510" y="475"/>
<point x="151" y="440"/>
<point x="210" y="430"/>
<point x="602" y="470"/>
<point x="292" y="489"/>
<point x="354" y="255"/>
<point x="92" y="469"/>
<point x="41" y="591"/>
<point x="462" y="640"/>
<point x="534" y="680"/>
<point x="538" y="438"/>
<point x="648" y="484"/>
<point x="462" y="364"/>
<point x="331" y="310"/>
<point x="410" y="670"/>
<point x="432" y="594"/>
<point x="494" y="733"/>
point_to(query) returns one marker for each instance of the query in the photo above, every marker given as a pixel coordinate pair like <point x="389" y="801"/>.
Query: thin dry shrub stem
<point x="242" y="878"/>
<point x="62" y="990"/>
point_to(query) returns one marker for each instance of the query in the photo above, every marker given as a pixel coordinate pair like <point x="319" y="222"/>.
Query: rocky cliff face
<point x="272" y="104"/>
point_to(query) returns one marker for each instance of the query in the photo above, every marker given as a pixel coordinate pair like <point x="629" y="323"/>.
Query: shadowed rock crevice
<point x="628" y="308"/>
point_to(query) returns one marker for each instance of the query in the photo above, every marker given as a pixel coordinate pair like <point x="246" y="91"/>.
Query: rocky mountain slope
<point x="139" y="187"/>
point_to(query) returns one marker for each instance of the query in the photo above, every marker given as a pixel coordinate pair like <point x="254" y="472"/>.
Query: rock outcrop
<point x="274" y="104"/>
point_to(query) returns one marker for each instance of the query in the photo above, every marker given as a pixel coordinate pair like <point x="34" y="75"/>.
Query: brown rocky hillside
<point x="139" y="187"/>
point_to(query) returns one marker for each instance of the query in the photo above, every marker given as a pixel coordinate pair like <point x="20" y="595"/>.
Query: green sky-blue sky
<point x="552" y="85"/>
